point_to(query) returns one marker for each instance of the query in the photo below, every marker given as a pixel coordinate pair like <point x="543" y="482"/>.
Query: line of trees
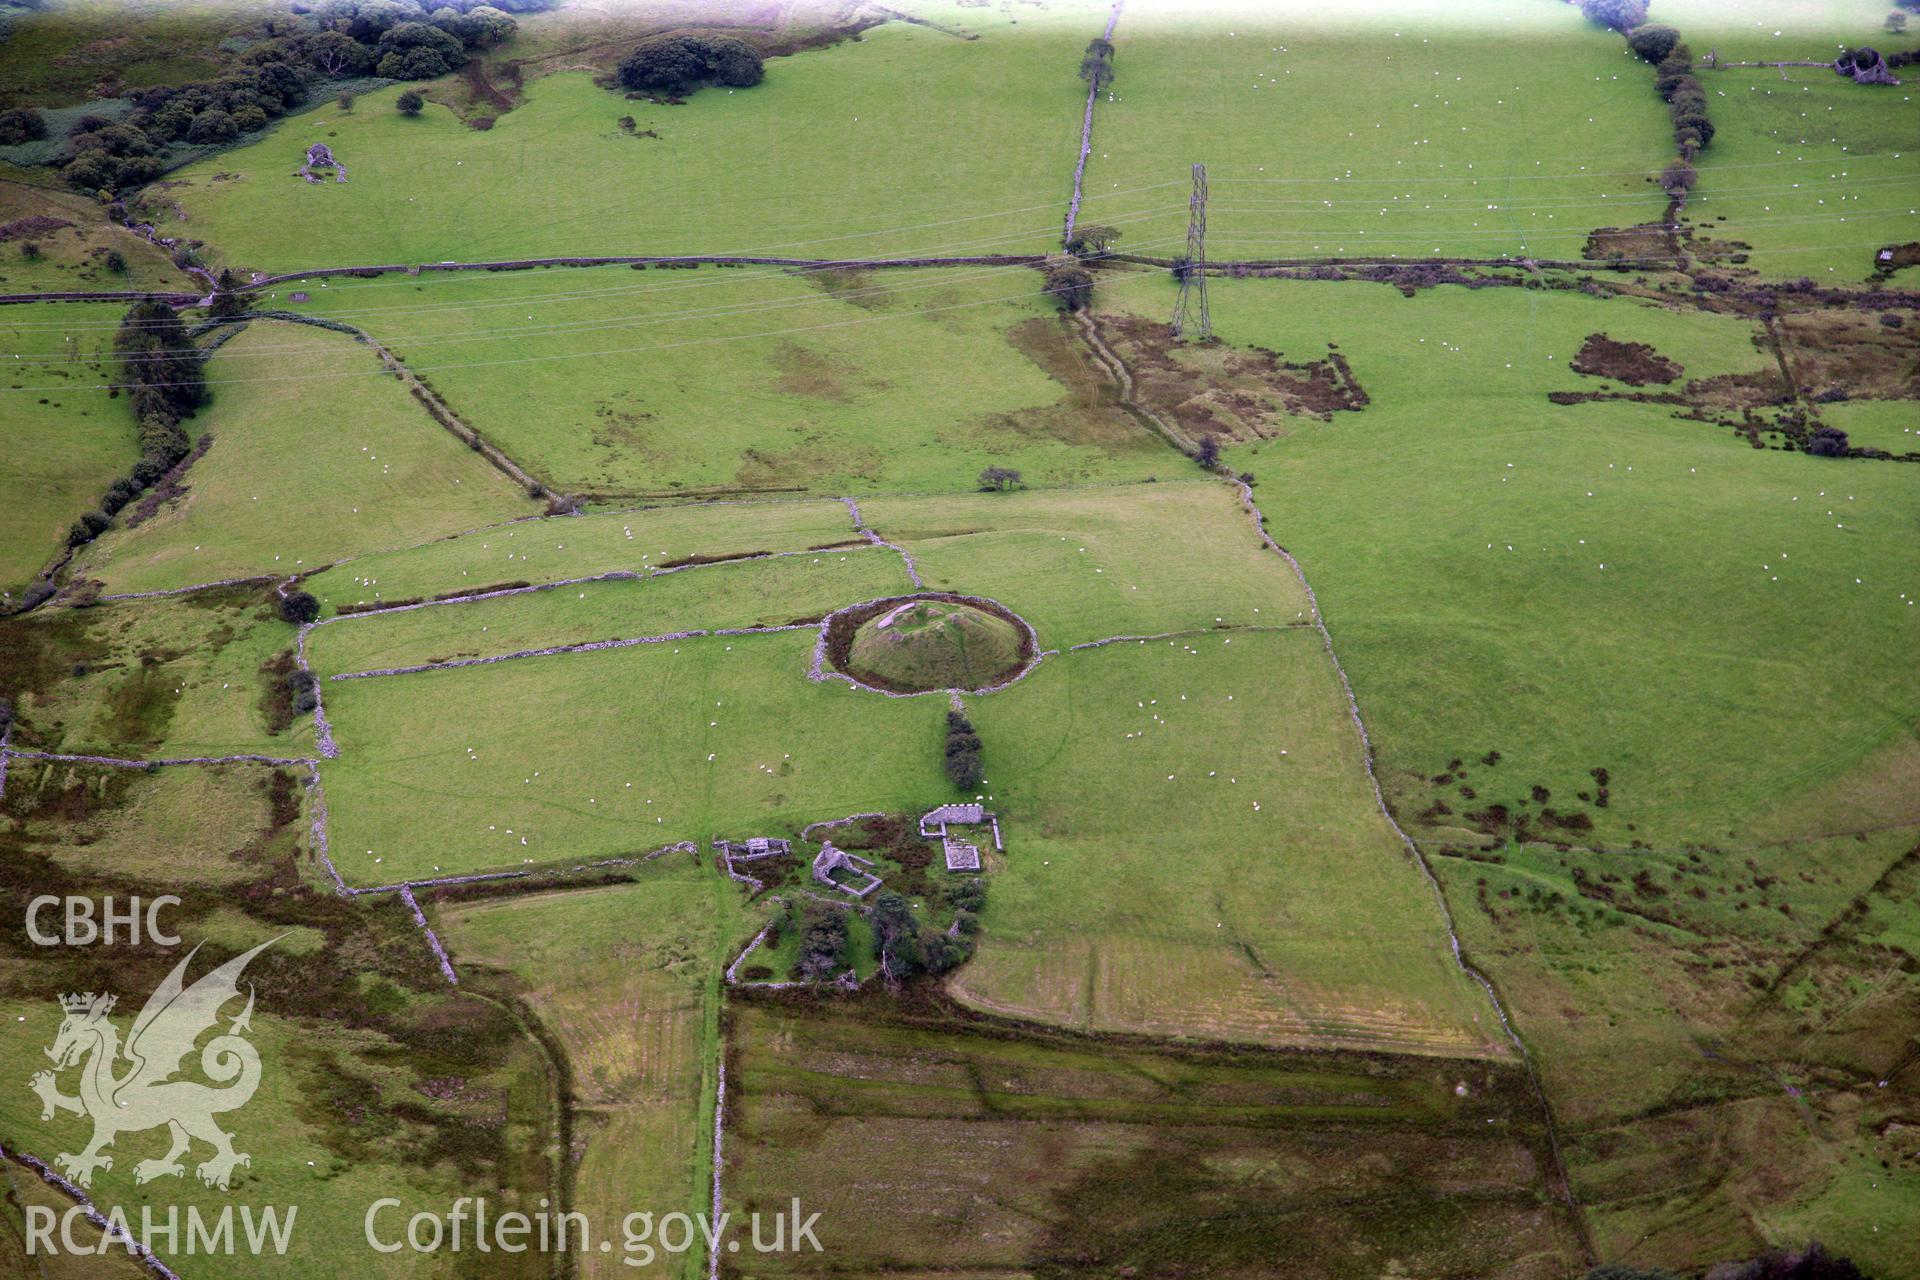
<point x="160" y="370"/>
<point x="963" y="765"/>
<point x="1663" y="47"/>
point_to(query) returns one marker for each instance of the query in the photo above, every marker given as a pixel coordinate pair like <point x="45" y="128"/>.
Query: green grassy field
<point x="1562" y="584"/>
<point x="1193" y="851"/>
<point x="292" y="481"/>
<point x="1877" y="424"/>
<point x="1813" y="171"/>
<point x="1088" y="565"/>
<point x="658" y="384"/>
<point x="1377" y="128"/>
<point x="65" y="446"/>
<point x="752" y="593"/>
<point x="807" y="163"/>
<point x="641" y="1049"/>
<point x="550" y="550"/>
<point x="1270" y="979"/>
<point x="694" y="738"/>
<point x="1011" y="1153"/>
<point x="1771" y="32"/>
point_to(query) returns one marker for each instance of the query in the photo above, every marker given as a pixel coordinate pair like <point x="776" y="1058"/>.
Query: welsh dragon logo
<point x="145" y="1095"/>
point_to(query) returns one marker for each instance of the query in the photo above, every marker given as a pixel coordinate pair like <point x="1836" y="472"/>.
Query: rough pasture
<point x="642" y="1048"/>
<point x="1104" y="1154"/>
<point x="1640" y="541"/>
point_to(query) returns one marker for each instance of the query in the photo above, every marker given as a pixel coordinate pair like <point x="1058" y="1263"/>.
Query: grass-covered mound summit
<point x="919" y="643"/>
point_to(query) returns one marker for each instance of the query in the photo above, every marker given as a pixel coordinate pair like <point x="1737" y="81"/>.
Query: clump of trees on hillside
<point x="676" y="65"/>
<point x="1674" y="80"/>
<point x="907" y="948"/>
<point x="339" y="39"/>
<point x="823" y="941"/>
<point x="1091" y="240"/>
<point x="997" y="479"/>
<point x="22" y="124"/>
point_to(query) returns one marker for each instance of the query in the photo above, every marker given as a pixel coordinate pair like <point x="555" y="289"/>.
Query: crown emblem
<point x="88" y="1003"/>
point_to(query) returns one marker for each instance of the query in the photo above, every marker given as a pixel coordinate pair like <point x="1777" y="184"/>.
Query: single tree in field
<point x="1096" y="67"/>
<point x="411" y="103"/>
<point x="228" y="300"/>
<point x="1090" y="240"/>
<point x="1653" y="41"/>
<point x="1678" y="177"/>
<point x="1621" y="15"/>
<point x="896" y="936"/>
<point x="999" y="479"/>
<point x="299" y="607"/>
<point x="345" y="99"/>
<point x="1208" y="454"/>
<point x="1828" y="442"/>
<point x="1070" y="284"/>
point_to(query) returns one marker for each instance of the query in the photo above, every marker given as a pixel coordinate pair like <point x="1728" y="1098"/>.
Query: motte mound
<point x="922" y="644"/>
